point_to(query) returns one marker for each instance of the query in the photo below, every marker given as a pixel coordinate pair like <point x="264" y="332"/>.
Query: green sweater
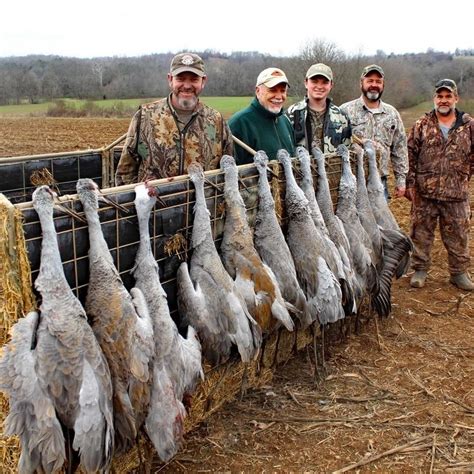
<point x="261" y="130"/>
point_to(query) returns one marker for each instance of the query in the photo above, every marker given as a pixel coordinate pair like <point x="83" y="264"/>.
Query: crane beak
<point x="70" y="212"/>
<point x="272" y="172"/>
<point x="152" y="191"/>
<point x="112" y="203"/>
<point x="210" y="183"/>
<point x="243" y="184"/>
<point x="297" y="172"/>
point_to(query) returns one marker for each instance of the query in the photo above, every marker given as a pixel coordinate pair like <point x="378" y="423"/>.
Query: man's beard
<point x="444" y="110"/>
<point x="273" y="108"/>
<point x="372" y="95"/>
<point x="188" y="103"/>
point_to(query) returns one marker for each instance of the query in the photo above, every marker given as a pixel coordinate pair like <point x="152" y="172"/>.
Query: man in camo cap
<point x="375" y="120"/>
<point x="165" y="136"/>
<point x="441" y="155"/>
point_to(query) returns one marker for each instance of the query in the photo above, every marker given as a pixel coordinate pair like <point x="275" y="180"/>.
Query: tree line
<point x="409" y="77"/>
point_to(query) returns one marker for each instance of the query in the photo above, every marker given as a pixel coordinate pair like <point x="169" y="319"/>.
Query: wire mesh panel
<point x="18" y="179"/>
<point x="170" y="226"/>
<point x="20" y="175"/>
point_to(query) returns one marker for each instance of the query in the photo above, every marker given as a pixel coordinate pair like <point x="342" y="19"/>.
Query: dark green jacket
<point x="261" y="130"/>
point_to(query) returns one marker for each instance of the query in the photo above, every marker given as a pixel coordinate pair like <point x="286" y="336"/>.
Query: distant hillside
<point x="409" y="77"/>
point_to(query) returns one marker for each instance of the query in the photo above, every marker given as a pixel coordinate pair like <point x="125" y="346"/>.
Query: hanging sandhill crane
<point x="272" y="247"/>
<point x="396" y="245"/>
<point x="124" y="335"/>
<point x="328" y="249"/>
<point x="364" y="209"/>
<point x="253" y="278"/>
<point x="70" y="366"/>
<point x="360" y="243"/>
<point x="177" y="361"/>
<point x="321" y="287"/>
<point x="383" y="215"/>
<point x="32" y="415"/>
<point x="333" y="223"/>
<point x="208" y="298"/>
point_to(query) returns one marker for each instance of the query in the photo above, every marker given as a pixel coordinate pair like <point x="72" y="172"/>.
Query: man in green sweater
<point x="262" y="125"/>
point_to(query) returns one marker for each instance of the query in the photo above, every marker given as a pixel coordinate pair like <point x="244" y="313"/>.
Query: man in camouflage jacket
<point x="441" y="156"/>
<point x="375" y="120"/>
<point x="165" y="136"/>
<point x="316" y="120"/>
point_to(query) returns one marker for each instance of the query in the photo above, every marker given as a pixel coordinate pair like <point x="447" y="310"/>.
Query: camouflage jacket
<point x="386" y="128"/>
<point x="337" y="129"/>
<point x="155" y="147"/>
<point x="441" y="168"/>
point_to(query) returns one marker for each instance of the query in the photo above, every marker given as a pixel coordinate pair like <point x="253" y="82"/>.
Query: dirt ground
<point x="37" y="135"/>
<point x="397" y="399"/>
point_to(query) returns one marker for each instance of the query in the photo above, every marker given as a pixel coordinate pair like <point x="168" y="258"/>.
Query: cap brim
<point x="451" y="89"/>
<point x="373" y="70"/>
<point x="188" y="69"/>
<point x="320" y="74"/>
<point x="275" y="81"/>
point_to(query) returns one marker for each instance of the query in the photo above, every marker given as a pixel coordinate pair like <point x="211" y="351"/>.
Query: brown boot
<point x="418" y="279"/>
<point x="462" y="281"/>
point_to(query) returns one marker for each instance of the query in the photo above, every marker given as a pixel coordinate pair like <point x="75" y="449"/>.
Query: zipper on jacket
<point x="276" y="131"/>
<point x="182" y="136"/>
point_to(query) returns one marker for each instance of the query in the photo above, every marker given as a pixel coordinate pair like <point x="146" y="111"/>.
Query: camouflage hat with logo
<point x="372" y="68"/>
<point x="446" y="84"/>
<point x="319" y="70"/>
<point x="187" y="62"/>
<point x="271" y="76"/>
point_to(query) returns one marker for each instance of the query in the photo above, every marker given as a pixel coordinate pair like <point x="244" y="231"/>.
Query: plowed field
<point x="34" y="136"/>
<point x="397" y="399"/>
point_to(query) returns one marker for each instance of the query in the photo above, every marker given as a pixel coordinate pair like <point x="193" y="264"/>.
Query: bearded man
<point x="165" y="136"/>
<point x="441" y="156"/>
<point x="375" y="120"/>
<point x="262" y="125"/>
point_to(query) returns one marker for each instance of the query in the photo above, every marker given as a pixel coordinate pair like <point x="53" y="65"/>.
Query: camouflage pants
<point x="453" y="217"/>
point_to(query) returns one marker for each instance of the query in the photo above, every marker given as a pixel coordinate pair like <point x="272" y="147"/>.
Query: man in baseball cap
<point x="440" y="148"/>
<point x="271" y="76"/>
<point x="262" y="125"/>
<point x="187" y="62"/>
<point x="165" y="136"/>
<point x="373" y="119"/>
<point x="316" y="121"/>
<point x="447" y="84"/>
<point x="372" y="68"/>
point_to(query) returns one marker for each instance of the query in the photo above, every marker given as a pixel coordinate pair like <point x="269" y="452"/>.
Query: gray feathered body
<point x="361" y="245"/>
<point x="328" y="249"/>
<point x="254" y="279"/>
<point x="396" y="245"/>
<point x="112" y="315"/>
<point x="176" y="360"/>
<point x="384" y="217"/>
<point x="382" y="213"/>
<point x="334" y="225"/>
<point x="272" y="247"/>
<point x="32" y="415"/>
<point x="70" y="364"/>
<point x="321" y="287"/>
<point x="364" y="209"/>
<point x="208" y="299"/>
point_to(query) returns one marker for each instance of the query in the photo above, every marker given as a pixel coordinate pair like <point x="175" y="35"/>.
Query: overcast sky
<point x="94" y="28"/>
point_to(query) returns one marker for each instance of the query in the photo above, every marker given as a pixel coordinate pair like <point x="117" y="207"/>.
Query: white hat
<point x="271" y="76"/>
